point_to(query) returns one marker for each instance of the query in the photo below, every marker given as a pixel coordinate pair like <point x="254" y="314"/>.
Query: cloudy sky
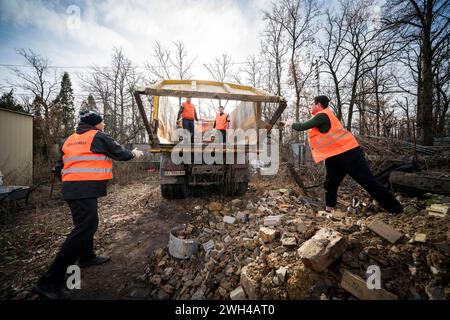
<point x="207" y="27"/>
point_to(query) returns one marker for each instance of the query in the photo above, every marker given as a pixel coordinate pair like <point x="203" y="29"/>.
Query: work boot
<point x="50" y="291"/>
<point x="97" y="260"/>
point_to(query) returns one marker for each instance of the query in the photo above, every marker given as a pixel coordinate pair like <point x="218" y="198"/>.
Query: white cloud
<point x="207" y="27"/>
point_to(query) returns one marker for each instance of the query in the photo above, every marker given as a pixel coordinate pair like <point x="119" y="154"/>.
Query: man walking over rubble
<point x="85" y="166"/>
<point x="330" y="141"/>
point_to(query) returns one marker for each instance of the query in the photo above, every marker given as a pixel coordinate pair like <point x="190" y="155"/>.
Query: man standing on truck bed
<point x="331" y="142"/>
<point x="187" y="115"/>
<point x="84" y="166"/>
<point x="221" y="123"/>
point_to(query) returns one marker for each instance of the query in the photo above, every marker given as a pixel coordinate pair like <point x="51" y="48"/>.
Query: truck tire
<point x="241" y="188"/>
<point x="167" y="191"/>
<point x="179" y="191"/>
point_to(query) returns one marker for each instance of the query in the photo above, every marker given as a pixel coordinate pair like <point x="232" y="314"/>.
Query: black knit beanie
<point x="90" y="117"/>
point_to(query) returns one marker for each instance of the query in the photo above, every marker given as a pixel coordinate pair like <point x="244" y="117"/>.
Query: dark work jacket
<point x="102" y="143"/>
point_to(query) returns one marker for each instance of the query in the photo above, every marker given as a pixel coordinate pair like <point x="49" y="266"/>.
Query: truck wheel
<point x="241" y="188"/>
<point x="179" y="191"/>
<point x="167" y="191"/>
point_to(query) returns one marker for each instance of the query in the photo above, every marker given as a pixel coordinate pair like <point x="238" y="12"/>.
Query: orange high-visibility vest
<point x="188" y="111"/>
<point x="221" y="121"/>
<point x="80" y="163"/>
<point x="336" y="141"/>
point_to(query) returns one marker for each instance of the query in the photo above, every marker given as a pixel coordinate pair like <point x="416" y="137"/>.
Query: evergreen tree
<point x="66" y="100"/>
<point x="7" y="101"/>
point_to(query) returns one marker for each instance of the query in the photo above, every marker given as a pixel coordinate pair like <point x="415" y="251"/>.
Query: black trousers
<point x="354" y="163"/>
<point x="224" y="135"/>
<point x="189" y="125"/>
<point x="79" y="243"/>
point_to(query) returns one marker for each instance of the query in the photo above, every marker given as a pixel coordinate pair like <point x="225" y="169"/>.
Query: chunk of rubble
<point x="238" y="294"/>
<point x="338" y="215"/>
<point x="267" y="234"/>
<point x="237" y="203"/>
<point x="215" y="206"/>
<point x="250" y="285"/>
<point x="229" y="219"/>
<point x="322" y="249"/>
<point x="420" y="237"/>
<point x="358" y="288"/>
<point x="281" y="273"/>
<point x="209" y="245"/>
<point x="439" y="210"/>
<point x="289" y="242"/>
<point x="385" y="231"/>
<point x="410" y="210"/>
<point x="241" y="216"/>
<point x="272" y="221"/>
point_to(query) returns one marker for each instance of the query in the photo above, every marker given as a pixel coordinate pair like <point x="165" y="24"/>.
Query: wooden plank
<point x="358" y="288"/>
<point x="385" y="231"/>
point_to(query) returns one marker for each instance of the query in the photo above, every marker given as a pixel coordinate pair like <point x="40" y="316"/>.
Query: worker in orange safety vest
<point x="329" y="141"/>
<point x="85" y="166"/>
<point x="187" y="114"/>
<point x="221" y="123"/>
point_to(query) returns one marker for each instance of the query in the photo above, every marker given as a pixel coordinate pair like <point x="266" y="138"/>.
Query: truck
<point x="163" y="99"/>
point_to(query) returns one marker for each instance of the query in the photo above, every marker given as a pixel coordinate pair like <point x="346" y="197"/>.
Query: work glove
<point x="287" y="123"/>
<point x="137" y="153"/>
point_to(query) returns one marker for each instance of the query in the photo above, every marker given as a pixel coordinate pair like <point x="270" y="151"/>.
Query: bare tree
<point x="161" y="65"/>
<point x="181" y="62"/>
<point x="221" y="69"/>
<point x="41" y="82"/>
<point x="114" y="87"/>
<point x="425" y="22"/>
<point x="361" y="45"/>
<point x="274" y="46"/>
<point x="296" y="17"/>
<point x="334" y="55"/>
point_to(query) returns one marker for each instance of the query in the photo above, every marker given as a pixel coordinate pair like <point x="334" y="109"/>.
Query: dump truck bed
<point x="246" y="115"/>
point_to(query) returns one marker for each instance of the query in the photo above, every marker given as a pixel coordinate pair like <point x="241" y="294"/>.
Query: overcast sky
<point x="207" y="27"/>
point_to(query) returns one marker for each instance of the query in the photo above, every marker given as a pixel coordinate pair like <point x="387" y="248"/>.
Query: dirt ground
<point x="134" y="221"/>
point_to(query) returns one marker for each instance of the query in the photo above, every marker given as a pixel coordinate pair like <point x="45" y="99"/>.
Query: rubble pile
<point x="272" y="245"/>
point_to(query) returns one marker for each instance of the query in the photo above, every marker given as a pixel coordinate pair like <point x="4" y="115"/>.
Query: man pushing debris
<point x="331" y="142"/>
<point x="85" y="166"/>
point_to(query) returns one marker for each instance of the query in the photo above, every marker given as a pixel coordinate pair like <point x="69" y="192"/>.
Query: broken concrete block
<point x="215" y="206"/>
<point x="229" y="219"/>
<point x="338" y="215"/>
<point x="209" y="245"/>
<point x="410" y="210"/>
<point x="281" y="274"/>
<point x="358" y="288"/>
<point x="272" y="220"/>
<point x="241" y="216"/>
<point x="385" y="231"/>
<point x="250" y="286"/>
<point x="420" y="237"/>
<point x="227" y="239"/>
<point x="322" y="249"/>
<point x="439" y="210"/>
<point x="267" y="234"/>
<point x="289" y="242"/>
<point x="220" y="226"/>
<point x="237" y="202"/>
<point x="324" y="214"/>
<point x="238" y="294"/>
<point x="304" y="283"/>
